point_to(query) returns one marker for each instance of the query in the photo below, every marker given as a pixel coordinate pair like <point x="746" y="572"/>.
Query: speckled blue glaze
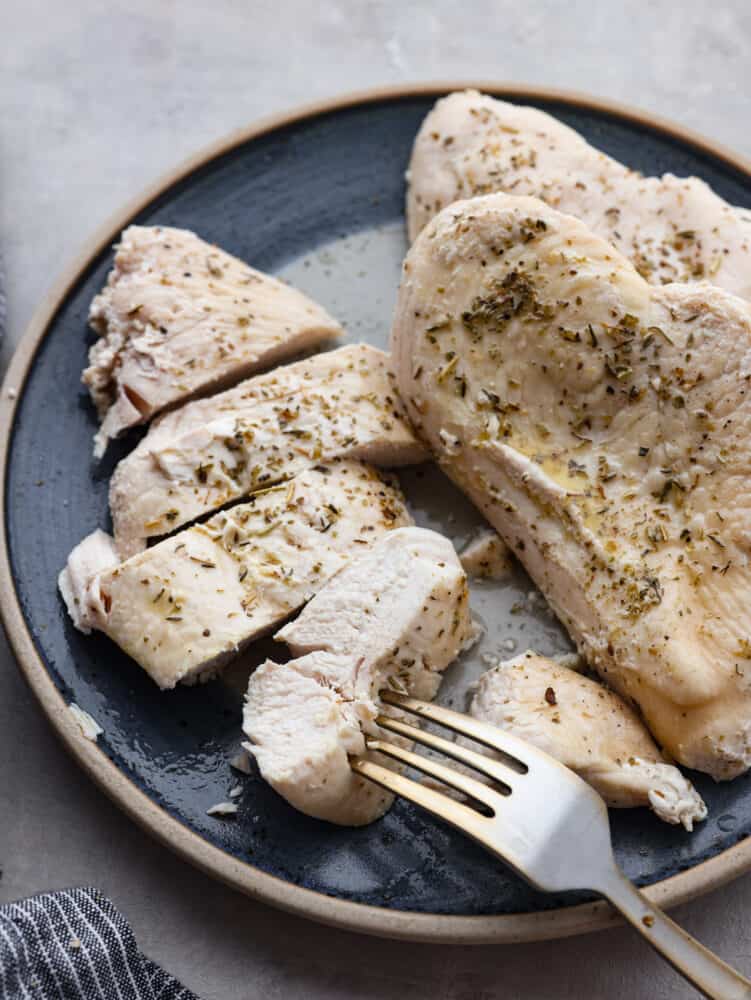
<point x="273" y="201"/>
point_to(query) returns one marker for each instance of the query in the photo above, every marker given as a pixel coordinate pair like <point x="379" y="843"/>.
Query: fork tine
<point x="455" y="813"/>
<point x="497" y="770"/>
<point x="454" y="779"/>
<point x="517" y="751"/>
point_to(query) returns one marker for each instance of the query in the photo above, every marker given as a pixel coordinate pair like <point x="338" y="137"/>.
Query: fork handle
<point x="709" y="974"/>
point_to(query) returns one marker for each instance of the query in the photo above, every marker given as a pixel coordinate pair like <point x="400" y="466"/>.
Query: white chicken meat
<point x="187" y="605"/>
<point x="589" y="729"/>
<point x="178" y="317"/>
<point x="603" y="427"/>
<point x="487" y="557"/>
<point x="341" y="404"/>
<point x="671" y="228"/>
<point x="396" y="616"/>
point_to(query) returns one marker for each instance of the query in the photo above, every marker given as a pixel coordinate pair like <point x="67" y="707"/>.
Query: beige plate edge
<point x="339" y="913"/>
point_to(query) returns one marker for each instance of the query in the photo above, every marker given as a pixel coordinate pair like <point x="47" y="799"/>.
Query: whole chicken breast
<point x="589" y="729"/>
<point x="178" y="317"/>
<point x="603" y="426"/>
<point x="671" y="228"/>
<point x="185" y="606"/>
<point x="339" y="404"/>
<point x="395" y="616"/>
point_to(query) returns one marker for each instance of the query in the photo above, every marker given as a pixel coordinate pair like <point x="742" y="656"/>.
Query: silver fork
<point x="542" y="820"/>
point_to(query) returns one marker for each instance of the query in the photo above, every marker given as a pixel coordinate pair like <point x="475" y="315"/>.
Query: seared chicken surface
<point x="589" y="729"/>
<point x="671" y="228"/>
<point x="179" y="316"/>
<point x="396" y="616"/>
<point x="194" y="460"/>
<point x="182" y="608"/>
<point x="602" y="425"/>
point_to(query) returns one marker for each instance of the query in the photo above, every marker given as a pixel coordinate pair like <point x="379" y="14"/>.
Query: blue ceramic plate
<point x="316" y="197"/>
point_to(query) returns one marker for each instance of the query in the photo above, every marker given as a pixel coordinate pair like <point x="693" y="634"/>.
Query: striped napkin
<point x="74" y="944"/>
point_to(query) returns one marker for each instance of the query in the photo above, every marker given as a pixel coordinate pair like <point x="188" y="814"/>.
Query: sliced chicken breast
<point x="589" y="729"/>
<point x="178" y="317"/>
<point x="602" y="425"/>
<point x="184" y="607"/>
<point x="671" y="228"/>
<point x="339" y="404"/>
<point x="395" y="616"/>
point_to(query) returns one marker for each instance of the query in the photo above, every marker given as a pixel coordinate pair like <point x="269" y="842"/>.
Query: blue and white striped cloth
<point x="74" y="945"/>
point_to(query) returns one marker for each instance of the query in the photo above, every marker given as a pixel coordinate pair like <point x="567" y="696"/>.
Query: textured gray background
<point x="95" y="101"/>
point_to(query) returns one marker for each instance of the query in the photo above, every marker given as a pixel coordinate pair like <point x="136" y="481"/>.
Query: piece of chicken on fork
<point x="397" y="616"/>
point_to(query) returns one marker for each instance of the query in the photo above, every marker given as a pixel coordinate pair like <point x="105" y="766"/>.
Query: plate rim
<point x="167" y="829"/>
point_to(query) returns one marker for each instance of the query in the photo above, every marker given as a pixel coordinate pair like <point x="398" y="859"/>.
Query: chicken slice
<point x="194" y="460"/>
<point x="78" y="581"/>
<point x="400" y="607"/>
<point x="396" y="616"/>
<point x="184" y="607"/>
<point x="486" y="557"/>
<point x="589" y="729"/>
<point x="603" y="426"/>
<point x="178" y="317"/>
<point x="303" y="720"/>
<point x="671" y="228"/>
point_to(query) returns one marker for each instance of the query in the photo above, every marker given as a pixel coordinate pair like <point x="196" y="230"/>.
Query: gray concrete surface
<point x="95" y="101"/>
